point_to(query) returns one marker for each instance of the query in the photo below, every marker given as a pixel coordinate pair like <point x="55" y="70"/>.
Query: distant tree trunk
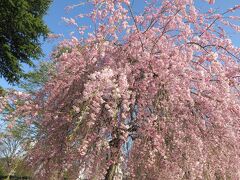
<point x="111" y="172"/>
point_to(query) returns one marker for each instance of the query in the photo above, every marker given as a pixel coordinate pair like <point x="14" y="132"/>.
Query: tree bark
<point x="111" y="172"/>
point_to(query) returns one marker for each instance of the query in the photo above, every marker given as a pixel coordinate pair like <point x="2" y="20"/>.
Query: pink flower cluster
<point x="167" y="78"/>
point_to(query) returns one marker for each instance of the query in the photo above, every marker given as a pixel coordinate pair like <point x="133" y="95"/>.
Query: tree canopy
<point x="21" y="28"/>
<point x="152" y="95"/>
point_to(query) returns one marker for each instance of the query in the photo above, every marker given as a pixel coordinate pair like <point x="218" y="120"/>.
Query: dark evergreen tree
<point x="21" y="27"/>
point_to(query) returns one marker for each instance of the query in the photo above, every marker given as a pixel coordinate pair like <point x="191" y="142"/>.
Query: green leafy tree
<point x="21" y="28"/>
<point x="10" y="151"/>
<point x="13" y="151"/>
<point x="36" y="78"/>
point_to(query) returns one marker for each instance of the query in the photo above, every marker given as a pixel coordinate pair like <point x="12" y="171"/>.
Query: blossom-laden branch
<point x="143" y="95"/>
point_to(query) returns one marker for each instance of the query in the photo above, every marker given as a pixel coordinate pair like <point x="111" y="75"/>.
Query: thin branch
<point x="229" y="10"/>
<point x="217" y="46"/>
<point x="164" y="30"/>
<point x="135" y="23"/>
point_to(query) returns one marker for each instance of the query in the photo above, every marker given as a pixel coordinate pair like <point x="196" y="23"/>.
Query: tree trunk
<point x="111" y="172"/>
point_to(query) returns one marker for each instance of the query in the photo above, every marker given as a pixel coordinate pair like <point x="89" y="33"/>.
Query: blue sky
<point x="57" y="26"/>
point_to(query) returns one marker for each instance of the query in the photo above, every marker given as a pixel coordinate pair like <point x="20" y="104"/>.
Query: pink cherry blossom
<point x="150" y="95"/>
